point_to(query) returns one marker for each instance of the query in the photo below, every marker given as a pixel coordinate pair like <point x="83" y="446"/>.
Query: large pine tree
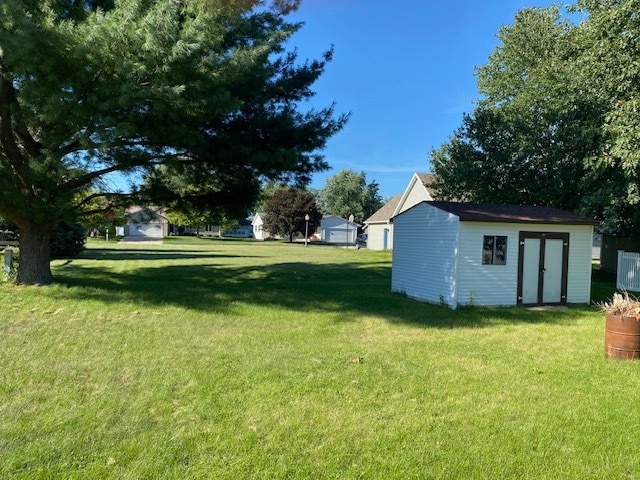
<point x="89" y="89"/>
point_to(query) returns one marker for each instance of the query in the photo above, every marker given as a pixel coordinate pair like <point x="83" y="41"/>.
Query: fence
<point x="628" y="277"/>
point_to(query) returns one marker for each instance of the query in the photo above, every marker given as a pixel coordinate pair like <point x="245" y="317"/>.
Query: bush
<point x="68" y="240"/>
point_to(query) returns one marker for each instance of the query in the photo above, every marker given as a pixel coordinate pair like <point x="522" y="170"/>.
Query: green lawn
<point x="233" y="360"/>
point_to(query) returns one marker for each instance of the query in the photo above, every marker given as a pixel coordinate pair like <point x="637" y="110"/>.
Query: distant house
<point x="379" y="226"/>
<point x="243" y="229"/>
<point x="203" y="230"/>
<point x="471" y="254"/>
<point x="259" y="233"/>
<point x="146" y="222"/>
<point x="338" y="230"/>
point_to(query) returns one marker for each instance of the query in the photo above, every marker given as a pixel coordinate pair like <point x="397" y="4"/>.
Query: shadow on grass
<point x="115" y="254"/>
<point x="603" y="285"/>
<point x="347" y="290"/>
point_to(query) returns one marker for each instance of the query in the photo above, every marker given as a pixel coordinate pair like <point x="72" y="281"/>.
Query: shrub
<point x="68" y="240"/>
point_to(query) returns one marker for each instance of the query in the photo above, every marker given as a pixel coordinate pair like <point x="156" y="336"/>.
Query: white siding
<point x="417" y="194"/>
<point x="480" y="284"/>
<point x="424" y="254"/>
<point x="497" y="284"/>
<point x="580" y="253"/>
<point x="259" y="233"/>
<point x="375" y="236"/>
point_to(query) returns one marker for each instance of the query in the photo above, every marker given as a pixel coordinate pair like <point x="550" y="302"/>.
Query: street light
<point x="306" y="229"/>
<point x="348" y="224"/>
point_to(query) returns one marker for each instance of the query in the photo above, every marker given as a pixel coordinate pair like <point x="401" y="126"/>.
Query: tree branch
<point x="87" y="178"/>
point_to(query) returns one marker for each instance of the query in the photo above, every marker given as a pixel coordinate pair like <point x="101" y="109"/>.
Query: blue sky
<point x="405" y="71"/>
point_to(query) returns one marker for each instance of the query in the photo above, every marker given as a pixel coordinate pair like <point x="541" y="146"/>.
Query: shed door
<point x="543" y="262"/>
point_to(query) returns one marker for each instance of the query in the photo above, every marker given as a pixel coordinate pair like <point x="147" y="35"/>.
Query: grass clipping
<point x="622" y="304"/>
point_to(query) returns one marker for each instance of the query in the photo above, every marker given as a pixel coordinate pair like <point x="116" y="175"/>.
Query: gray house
<point x="338" y="230"/>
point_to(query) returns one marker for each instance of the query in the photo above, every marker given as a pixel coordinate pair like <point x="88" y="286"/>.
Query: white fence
<point x="628" y="271"/>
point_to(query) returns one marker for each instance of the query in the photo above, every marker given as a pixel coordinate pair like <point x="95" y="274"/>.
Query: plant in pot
<point x="622" y="332"/>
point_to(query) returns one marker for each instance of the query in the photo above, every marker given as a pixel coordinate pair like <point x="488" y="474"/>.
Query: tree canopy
<point x="285" y="211"/>
<point x="556" y="123"/>
<point x="204" y="88"/>
<point x="348" y="193"/>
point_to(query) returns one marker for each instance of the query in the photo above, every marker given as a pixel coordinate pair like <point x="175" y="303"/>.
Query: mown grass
<point x="231" y="360"/>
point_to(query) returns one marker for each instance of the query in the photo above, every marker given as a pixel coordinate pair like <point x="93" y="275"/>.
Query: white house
<point x="338" y="230"/>
<point x="379" y="226"/>
<point x="146" y="222"/>
<point x="259" y="233"/>
<point x="470" y="254"/>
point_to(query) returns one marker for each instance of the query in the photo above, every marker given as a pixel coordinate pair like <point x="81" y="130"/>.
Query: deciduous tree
<point x="285" y="213"/>
<point x="531" y="135"/>
<point x="348" y="193"/>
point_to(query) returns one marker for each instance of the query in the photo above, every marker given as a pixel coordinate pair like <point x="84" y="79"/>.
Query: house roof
<point x="147" y="213"/>
<point x="418" y="178"/>
<point x="384" y="213"/>
<point x="475" y="212"/>
<point x="426" y="179"/>
<point x="327" y="218"/>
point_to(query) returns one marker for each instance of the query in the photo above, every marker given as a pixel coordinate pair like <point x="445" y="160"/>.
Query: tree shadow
<point x="347" y="290"/>
<point x="120" y="254"/>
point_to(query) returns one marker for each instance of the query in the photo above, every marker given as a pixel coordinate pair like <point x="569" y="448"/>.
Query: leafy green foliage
<point x="285" y="213"/>
<point x="205" y="88"/>
<point x="348" y="193"/>
<point x="556" y="124"/>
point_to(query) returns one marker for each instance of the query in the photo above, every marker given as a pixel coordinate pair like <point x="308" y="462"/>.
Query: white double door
<point x="542" y="268"/>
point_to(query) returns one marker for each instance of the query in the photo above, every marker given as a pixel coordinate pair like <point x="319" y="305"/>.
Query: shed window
<point x="494" y="250"/>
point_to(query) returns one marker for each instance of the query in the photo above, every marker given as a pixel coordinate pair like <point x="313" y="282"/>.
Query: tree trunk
<point x="35" y="255"/>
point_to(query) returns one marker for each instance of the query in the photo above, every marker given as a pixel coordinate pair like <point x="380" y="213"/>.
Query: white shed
<point x="338" y="230"/>
<point x="470" y="254"/>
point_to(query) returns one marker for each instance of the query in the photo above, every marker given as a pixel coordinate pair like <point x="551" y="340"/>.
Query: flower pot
<point x="622" y="337"/>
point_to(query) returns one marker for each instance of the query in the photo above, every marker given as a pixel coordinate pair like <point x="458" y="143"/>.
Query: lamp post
<point x="348" y="224"/>
<point x="306" y="229"/>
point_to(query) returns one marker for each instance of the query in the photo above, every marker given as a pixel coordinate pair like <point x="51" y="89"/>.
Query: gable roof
<point x="384" y="213"/>
<point x="422" y="179"/>
<point x="475" y="212"/>
<point x="426" y="179"/>
<point x="327" y="219"/>
<point x="258" y="217"/>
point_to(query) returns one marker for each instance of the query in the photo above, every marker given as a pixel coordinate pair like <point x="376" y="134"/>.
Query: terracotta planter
<point x="622" y="337"/>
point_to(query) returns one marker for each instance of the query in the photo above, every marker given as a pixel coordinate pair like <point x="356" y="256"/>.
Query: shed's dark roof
<point x="475" y="212"/>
